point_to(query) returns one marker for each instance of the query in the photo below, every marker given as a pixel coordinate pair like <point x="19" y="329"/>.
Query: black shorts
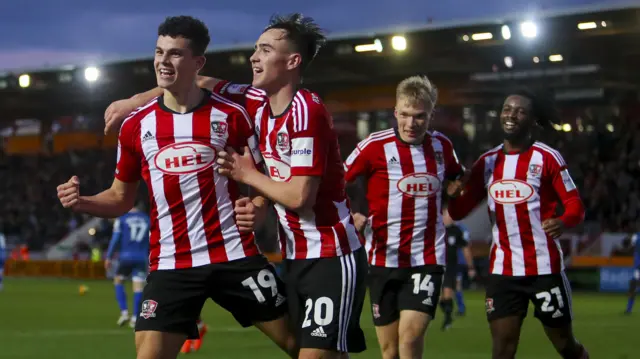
<point x="248" y="288"/>
<point x="395" y="289"/>
<point x="325" y="297"/>
<point x="550" y="294"/>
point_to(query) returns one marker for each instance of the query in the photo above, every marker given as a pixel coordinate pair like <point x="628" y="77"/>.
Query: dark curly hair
<point x="543" y="109"/>
<point x="189" y="28"/>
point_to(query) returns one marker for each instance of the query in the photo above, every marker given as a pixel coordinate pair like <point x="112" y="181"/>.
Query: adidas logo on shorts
<point x="319" y="332"/>
<point x="427" y="301"/>
<point x="557" y="314"/>
<point x="279" y="300"/>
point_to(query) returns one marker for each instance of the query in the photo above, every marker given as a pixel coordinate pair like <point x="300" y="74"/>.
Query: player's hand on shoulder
<point x="116" y="113"/>
<point x="554" y="227"/>
<point x="455" y="188"/>
<point x="359" y="221"/>
<point x="69" y="192"/>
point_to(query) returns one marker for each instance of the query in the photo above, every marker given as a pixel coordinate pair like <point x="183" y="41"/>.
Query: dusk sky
<point x="40" y="33"/>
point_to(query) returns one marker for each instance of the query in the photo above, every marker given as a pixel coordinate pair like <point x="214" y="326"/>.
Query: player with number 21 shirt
<point x="523" y="180"/>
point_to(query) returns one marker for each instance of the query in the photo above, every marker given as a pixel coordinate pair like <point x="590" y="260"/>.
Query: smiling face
<point x="516" y="118"/>
<point x="273" y="60"/>
<point x="175" y="65"/>
<point x="413" y="118"/>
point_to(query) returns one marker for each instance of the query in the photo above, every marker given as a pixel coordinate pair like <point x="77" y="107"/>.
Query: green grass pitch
<point x="47" y="318"/>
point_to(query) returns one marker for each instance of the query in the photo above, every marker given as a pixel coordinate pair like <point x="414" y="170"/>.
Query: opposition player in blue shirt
<point x="130" y="240"/>
<point x="462" y="270"/>
<point x="3" y="247"/>
<point x="633" y="284"/>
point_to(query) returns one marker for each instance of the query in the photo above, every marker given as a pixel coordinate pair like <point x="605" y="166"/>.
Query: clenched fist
<point x="69" y="192"/>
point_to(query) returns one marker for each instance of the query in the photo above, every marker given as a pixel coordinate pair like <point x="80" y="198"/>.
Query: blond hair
<point x="417" y="89"/>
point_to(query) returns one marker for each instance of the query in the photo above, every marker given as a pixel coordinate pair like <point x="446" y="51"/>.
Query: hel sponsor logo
<point x="148" y="309"/>
<point x="419" y="185"/>
<point x="278" y="170"/>
<point x="510" y="191"/>
<point x="185" y="157"/>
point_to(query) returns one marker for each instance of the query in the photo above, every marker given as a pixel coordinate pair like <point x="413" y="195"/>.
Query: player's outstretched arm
<point x="110" y="203"/>
<point x="119" y="110"/>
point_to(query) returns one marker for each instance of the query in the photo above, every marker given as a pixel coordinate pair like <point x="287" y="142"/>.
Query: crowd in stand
<point x="603" y="154"/>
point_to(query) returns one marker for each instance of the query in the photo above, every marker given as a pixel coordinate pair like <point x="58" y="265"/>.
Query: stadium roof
<point x="606" y="55"/>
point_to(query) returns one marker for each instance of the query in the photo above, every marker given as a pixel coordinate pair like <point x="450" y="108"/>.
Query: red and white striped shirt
<point x="301" y="142"/>
<point x="404" y="191"/>
<point x="522" y="191"/>
<point x="192" y="216"/>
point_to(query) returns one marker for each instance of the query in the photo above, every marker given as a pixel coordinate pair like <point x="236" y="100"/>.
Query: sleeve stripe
<point x="302" y="112"/>
<point x="255" y="92"/>
<point x="376" y="136"/>
<point x="362" y="145"/>
<point x="138" y="110"/>
<point x="294" y="114"/>
<point x="555" y="154"/>
<point x="253" y="97"/>
<point x="236" y="106"/>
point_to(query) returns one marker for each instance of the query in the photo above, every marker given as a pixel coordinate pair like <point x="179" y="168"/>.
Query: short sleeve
<point x="356" y="164"/>
<point x="128" y="162"/>
<point x="311" y="136"/>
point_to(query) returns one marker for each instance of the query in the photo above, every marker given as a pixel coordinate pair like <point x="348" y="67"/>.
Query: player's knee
<point x="309" y="353"/>
<point x="389" y="350"/>
<point x="411" y="340"/>
<point x="504" y="348"/>
<point x="117" y="280"/>
<point x="158" y="345"/>
<point x="138" y="285"/>
<point x="505" y="345"/>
